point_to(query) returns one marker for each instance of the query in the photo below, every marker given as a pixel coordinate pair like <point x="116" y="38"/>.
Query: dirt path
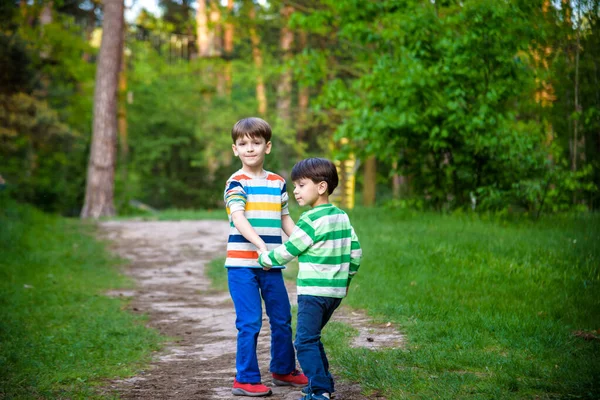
<point x="167" y="262"/>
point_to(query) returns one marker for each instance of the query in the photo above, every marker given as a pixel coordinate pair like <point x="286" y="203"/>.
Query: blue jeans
<point x="247" y="286"/>
<point x="313" y="314"/>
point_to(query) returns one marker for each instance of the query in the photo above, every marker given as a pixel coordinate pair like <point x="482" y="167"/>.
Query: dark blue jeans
<point x="247" y="286"/>
<point x="313" y="314"/>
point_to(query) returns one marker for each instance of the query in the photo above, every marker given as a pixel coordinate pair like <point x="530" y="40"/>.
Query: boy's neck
<point x="254" y="171"/>
<point x="324" y="199"/>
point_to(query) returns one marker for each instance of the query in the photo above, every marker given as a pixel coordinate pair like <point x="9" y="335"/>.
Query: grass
<point x="489" y="307"/>
<point x="59" y="335"/>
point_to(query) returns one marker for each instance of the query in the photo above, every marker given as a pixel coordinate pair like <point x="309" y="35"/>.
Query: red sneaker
<point x="295" y="378"/>
<point x="250" y="389"/>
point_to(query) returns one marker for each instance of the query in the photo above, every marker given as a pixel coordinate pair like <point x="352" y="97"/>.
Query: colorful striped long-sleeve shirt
<point x="328" y="252"/>
<point x="264" y="200"/>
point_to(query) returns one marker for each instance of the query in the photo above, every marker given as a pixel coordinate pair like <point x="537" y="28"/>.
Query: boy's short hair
<point x="252" y="127"/>
<point x="317" y="170"/>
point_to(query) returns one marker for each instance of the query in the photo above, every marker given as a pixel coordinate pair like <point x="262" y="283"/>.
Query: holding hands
<point x="260" y="251"/>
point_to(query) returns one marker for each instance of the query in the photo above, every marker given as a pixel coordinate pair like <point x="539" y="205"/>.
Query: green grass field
<point x="490" y="307"/>
<point x="59" y="335"/>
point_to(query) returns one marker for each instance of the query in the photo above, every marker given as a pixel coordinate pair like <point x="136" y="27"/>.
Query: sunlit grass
<point x="489" y="306"/>
<point x="59" y="335"/>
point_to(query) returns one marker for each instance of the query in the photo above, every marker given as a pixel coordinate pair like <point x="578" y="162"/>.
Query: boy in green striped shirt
<point x="329" y="255"/>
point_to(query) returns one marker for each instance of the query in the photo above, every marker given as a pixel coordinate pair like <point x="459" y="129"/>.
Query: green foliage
<point x="446" y="89"/>
<point x="443" y="93"/>
<point x="490" y="307"/>
<point x="179" y="129"/>
<point x="16" y="69"/>
<point x="59" y="334"/>
<point x="571" y="62"/>
<point x="34" y="149"/>
<point x="45" y="113"/>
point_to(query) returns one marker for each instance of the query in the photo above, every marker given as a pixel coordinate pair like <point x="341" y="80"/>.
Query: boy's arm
<point x="287" y="224"/>
<point x="235" y="200"/>
<point x="355" y="256"/>
<point x="243" y="226"/>
<point x="300" y="240"/>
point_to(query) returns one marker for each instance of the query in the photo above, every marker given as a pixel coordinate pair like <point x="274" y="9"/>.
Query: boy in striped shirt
<point x="257" y="205"/>
<point x="329" y="255"/>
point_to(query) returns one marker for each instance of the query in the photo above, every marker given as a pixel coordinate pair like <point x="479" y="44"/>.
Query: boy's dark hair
<point x="252" y="127"/>
<point x="317" y="170"/>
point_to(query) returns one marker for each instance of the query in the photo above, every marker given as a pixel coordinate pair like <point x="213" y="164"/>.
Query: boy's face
<point x="307" y="192"/>
<point x="251" y="151"/>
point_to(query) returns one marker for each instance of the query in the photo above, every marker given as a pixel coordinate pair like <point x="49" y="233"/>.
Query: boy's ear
<point x="235" y="152"/>
<point x="322" y="188"/>
<point x="268" y="147"/>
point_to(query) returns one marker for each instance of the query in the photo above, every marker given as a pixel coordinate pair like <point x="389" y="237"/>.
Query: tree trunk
<point x="99" y="194"/>
<point x="261" y="94"/>
<point x="228" y="47"/>
<point x="216" y="44"/>
<point x="122" y="122"/>
<point x="370" y="181"/>
<point x="214" y="34"/>
<point x="46" y="14"/>
<point x="576" y="142"/>
<point x="396" y="180"/>
<point x="284" y="88"/>
<point x="202" y="30"/>
<point x="303" y="100"/>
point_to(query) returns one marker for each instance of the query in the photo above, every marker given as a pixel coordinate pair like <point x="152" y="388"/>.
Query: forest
<point x="466" y="135"/>
<point x="434" y="104"/>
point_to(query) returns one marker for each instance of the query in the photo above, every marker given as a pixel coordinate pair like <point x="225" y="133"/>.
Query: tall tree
<point x="228" y="46"/>
<point x="202" y="33"/>
<point x="284" y="88"/>
<point x="370" y="181"/>
<point x="303" y="98"/>
<point x="261" y="93"/>
<point x="99" y="194"/>
<point x="214" y="35"/>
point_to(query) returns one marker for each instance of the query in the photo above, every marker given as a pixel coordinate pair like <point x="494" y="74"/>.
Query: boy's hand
<point x="259" y="251"/>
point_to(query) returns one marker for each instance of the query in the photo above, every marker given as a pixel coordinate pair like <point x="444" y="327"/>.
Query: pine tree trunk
<point x="284" y="88"/>
<point x="122" y="104"/>
<point x="214" y="34"/>
<point x="395" y="180"/>
<point x="576" y="100"/>
<point x="216" y="44"/>
<point x="261" y="94"/>
<point x="202" y="30"/>
<point x="228" y="47"/>
<point x="99" y="194"/>
<point x="370" y="181"/>
<point x="303" y="100"/>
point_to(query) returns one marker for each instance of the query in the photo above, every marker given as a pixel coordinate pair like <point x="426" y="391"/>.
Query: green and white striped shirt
<point x="328" y="252"/>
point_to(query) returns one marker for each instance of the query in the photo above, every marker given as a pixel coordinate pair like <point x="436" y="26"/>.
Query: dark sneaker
<point x="250" y="389"/>
<point x="295" y="378"/>
<point x="324" y="396"/>
<point x="305" y="391"/>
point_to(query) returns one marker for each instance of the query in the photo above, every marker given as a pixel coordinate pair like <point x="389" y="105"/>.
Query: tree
<point x="228" y="46"/>
<point x="99" y="193"/>
<point x="257" y="56"/>
<point x="202" y="33"/>
<point x="284" y="88"/>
